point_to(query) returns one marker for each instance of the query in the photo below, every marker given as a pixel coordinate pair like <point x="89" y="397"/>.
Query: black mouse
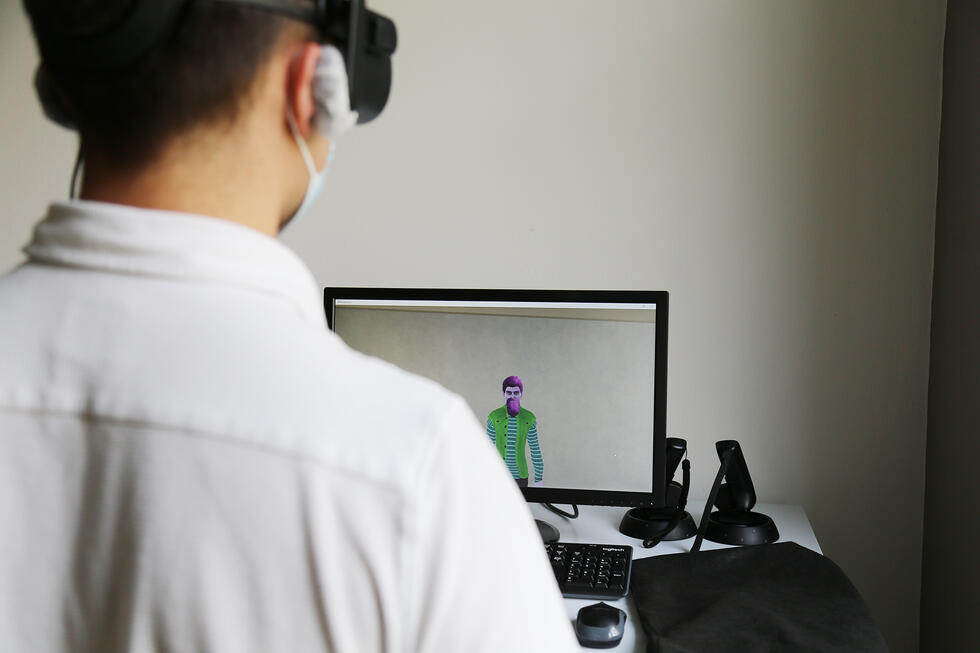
<point x="600" y="626"/>
<point x="548" y="532"/>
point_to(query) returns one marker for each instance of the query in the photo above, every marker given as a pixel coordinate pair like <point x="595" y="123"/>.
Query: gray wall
<point x="771" y="163"/>
<point x="950" y="572"/>
<point x="588" y="382"/>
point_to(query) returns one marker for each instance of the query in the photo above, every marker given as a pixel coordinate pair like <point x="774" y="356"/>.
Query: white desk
<point x="599" y="524"/>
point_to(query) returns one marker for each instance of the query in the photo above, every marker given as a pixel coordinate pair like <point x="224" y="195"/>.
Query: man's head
<point x="513" y="390"/>
<point x="214" y="91"/>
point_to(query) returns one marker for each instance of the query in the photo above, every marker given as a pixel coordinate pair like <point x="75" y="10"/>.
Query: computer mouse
<point x="548" y="532"/>
<point x="600" y="626"/>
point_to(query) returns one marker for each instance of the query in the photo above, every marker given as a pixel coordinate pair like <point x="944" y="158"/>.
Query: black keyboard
<point x="591" y="571"/>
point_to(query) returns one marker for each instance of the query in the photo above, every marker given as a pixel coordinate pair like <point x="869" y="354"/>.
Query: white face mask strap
<point x="75" y="174"/>
<point x="301" y="142"/>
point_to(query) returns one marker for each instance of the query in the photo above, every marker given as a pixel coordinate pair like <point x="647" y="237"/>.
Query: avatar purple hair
<point x="512" y="382"/>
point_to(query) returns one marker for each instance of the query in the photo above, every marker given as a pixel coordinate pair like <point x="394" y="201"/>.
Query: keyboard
<point x="591" y="571"/>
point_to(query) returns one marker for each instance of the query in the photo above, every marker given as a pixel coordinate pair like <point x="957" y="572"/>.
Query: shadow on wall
<point x="866" y="223"/>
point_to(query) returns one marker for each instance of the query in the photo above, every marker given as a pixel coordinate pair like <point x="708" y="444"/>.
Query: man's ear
<point x="299" y="85"/>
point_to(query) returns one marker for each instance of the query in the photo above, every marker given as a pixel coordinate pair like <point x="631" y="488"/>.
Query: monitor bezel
<point x="657" y="494"/>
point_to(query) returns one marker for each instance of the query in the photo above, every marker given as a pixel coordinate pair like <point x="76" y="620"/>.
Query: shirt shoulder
<point x="218" y="362"/>
<point x="312" y="396"/>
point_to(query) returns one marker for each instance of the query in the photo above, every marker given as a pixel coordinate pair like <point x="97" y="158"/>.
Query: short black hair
<point x="200" y="73"/>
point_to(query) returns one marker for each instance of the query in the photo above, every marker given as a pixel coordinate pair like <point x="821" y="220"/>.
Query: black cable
<point x="559" y="511"/>
<point x="678" y="514"/>
<point x="72" y="187"/>
<point x="712" y="497"/>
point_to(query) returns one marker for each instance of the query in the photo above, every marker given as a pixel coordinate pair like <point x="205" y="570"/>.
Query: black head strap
<point x="110" y="49"/>
<point x="366" y="39"/>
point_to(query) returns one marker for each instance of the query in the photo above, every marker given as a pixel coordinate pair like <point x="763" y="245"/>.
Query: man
<point x="513" y="429"/>
<point x="189" y="460"/>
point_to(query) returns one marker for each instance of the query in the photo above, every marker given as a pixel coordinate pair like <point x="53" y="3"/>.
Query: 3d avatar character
<point x="514" y="429"/>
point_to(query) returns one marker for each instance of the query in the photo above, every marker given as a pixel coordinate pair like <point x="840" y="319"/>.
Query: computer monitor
<point x="588" y="368"/>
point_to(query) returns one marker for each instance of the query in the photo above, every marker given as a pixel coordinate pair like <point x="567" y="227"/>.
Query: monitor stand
<point x="548" y="532"/>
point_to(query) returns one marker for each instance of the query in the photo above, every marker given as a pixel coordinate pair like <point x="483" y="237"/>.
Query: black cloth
<point x="772" y="597"/>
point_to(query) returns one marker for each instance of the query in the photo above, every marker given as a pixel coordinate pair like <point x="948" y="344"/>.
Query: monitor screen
<point x="564" y="383"/>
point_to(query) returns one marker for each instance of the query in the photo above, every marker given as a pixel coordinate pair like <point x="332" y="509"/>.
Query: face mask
<point x="317" y="179"/>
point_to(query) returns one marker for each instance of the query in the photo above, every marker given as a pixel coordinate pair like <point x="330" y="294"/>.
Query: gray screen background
<point x="588" y="382"/>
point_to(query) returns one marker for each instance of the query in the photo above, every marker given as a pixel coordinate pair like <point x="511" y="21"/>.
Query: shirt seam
<point x="296" y="306"/>
<point x="211" y="436"/>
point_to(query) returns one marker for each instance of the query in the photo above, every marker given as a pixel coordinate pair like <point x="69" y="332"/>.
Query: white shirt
<point x="190" y="461"/>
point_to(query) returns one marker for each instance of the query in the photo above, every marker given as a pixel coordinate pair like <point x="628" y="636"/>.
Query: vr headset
<point x="366" y="39"/>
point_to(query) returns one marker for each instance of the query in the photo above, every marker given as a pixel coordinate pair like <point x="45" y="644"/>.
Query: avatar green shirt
<point x="517" y="433"/>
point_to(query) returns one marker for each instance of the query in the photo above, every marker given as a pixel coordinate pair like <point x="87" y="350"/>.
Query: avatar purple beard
<point x="513" y="388"/>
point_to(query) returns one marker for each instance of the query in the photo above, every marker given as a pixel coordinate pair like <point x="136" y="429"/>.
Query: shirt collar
<point x="117" y="238"/>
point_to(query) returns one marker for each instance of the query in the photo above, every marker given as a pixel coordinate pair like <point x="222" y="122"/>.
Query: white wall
<point x="771" y="163"/>
<point x="35" y="156"/>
